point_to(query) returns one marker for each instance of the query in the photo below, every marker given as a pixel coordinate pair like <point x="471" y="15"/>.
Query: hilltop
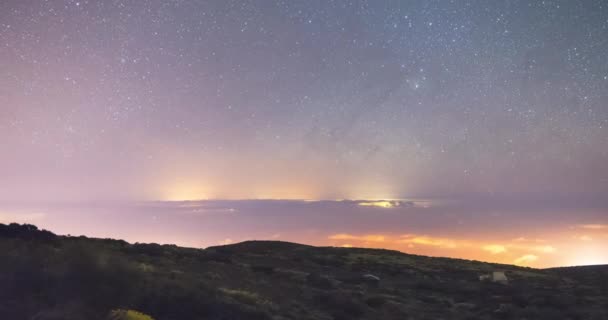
<point x="49" y="277"/>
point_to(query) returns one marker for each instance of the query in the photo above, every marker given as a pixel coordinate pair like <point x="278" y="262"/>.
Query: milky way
<point x="183" y="100"/>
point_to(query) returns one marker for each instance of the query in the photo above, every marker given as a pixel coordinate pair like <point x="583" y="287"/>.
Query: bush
<point x="99" y="280"/>
<point x="263" y="269"/>
<point x="319" y="281"/>
<point x="375" y="301"/>
<point x="244" y="296"/>
<point x="340" y="305"/>
<point x="128" y="315"/>
<point x="25" y="231"/>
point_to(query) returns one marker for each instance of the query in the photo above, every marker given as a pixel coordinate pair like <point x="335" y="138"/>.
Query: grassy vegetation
<point x="128" y="315"/>
<point x="49" y="277"/>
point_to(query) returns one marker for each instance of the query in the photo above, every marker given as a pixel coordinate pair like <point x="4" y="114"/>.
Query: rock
<point x="496" y="276"/>
<point x="371" y="277"/>
<point x="484" y="277"/>
<point x="499" y="277"/>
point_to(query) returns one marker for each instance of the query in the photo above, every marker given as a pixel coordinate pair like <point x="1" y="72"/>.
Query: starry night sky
<point x="105" y="101"/>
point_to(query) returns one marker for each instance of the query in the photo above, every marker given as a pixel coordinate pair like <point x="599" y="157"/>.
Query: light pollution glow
<point x="422" y="227"/>
<point x="492" y="117"/>
<point x="381" y="204"/>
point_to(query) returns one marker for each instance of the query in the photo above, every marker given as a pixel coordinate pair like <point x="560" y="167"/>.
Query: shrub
<point x="128" y="315"/>
<point x="263" y="269"/>
<point x="319" y="281"/>
<point x="25" y="231"/>
<point x="375" y="301"/>
<point x="244" y="296"/>
<point x="340" y="305"/>
<point x="101" y="281"/>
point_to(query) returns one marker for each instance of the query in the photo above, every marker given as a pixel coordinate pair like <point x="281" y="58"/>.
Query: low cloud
<point x="594" y="226"/>
<point x="226" y="241"/>
<point x="585" y="238"/>
<point x="543" y="249"/>
<point x="525" y="244"/>
<point x="524" y="239"/>
<point x="365" y="238"/>
<point x="408" y="239"/>
<point x="523" y="251"/>
<point x="526" y="259"/>
<point x="444" y="243"/>
<point x="495" y="248"/>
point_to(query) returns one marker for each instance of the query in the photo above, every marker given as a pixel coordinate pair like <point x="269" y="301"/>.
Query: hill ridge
<point x="51" y="277"/>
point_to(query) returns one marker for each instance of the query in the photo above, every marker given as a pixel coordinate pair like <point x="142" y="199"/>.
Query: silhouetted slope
<point x="44" y="276"/>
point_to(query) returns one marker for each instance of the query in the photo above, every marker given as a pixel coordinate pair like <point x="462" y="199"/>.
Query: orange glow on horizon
<point x="517" y="251"/>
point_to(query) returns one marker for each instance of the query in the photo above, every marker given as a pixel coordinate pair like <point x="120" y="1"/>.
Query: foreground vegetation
<point x="48" y="277"/>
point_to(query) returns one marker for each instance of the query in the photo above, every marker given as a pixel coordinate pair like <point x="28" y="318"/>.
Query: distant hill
<point x="48" y="277"/>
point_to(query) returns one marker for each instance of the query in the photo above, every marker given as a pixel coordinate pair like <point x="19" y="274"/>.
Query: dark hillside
<point x="44" y="276"/>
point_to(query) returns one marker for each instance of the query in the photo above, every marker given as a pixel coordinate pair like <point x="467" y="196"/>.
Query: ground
<point x="45" y="276"/>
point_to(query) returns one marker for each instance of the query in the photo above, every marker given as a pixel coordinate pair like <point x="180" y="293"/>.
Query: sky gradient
<point x="493" y="111"/>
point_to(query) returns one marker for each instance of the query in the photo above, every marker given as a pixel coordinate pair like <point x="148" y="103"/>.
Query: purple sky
<point x="498" y="106"/>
